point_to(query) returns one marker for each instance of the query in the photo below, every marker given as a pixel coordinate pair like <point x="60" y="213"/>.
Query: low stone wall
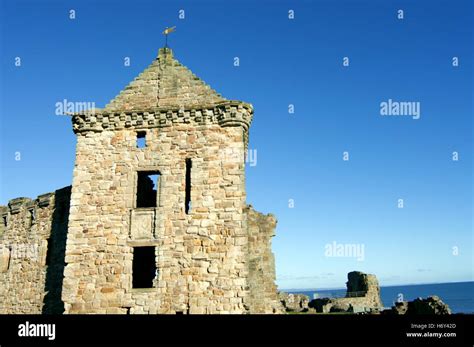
<point x="355" y="305"/>
<point x="294" y="302"/>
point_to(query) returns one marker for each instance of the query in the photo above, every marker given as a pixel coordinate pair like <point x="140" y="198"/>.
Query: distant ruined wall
<point x="366" y="285"/>
<point x="32" y="242"/>
<point x="362" y="295"/>
<point x="263" y="296"/>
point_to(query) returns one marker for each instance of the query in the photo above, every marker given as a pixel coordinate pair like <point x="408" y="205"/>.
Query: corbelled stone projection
<point x="158" y="220"/>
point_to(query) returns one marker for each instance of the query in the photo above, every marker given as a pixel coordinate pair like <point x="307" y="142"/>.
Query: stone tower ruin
<point x="158" y="220"/>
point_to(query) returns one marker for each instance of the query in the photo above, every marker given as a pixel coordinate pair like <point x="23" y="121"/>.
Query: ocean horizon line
<point x="382" y="286"/>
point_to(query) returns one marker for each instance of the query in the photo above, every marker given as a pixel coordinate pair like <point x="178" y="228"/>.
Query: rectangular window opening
<point x="144" y="267"/>
<point x="147" y="188"/>
<point x="187" y="198"/>
<point x="141" y="139"/>
<point x="5" y="221"/>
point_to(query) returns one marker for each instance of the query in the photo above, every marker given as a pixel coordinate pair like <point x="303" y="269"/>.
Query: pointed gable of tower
<point x="166" y="83"/>
<point x="166" y="93"/>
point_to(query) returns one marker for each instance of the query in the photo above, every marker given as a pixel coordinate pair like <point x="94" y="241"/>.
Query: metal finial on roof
<point x="166" y="32"/>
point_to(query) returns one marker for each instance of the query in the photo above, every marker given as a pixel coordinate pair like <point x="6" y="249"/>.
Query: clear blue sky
<point x="299" y="156"/>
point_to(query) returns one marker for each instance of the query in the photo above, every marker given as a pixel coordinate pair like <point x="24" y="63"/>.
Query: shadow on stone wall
<point x="55" y="258"/>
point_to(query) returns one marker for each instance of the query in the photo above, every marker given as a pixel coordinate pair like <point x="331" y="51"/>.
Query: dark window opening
<point x="141" y="139"/>
<point x="147" y="187"/>
<point x="32" y="216"/>
<point x="5" y="221"/>
<point x="9" y="257"/>
<point x="49" y="251"/>
<point x="187" y="197"/>
<point x="144" y="267"/>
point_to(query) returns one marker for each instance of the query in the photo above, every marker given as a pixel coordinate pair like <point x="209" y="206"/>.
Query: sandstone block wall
<point x="263" y="296"/>
<point x="200" y="256"/>
<point x="32" y="243"/>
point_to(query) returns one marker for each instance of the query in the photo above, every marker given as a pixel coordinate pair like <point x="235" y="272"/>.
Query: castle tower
<point x="158" y="220"/>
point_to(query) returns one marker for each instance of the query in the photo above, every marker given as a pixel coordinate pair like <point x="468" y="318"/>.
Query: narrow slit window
<point x="187" y="197"/>
<point x="49" y="251"/>
<point x="147" y="188"/>
<point x="5" y="221"/>
<point x="5" y="259"/>
<point x="144" y="267"/>
<point x="32" y="216"/>
<point x="141" y="139"/>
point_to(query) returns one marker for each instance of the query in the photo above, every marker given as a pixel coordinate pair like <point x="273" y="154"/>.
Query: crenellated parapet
<point x="18" y="204"/>
<point x="22" y="213"/>
<point x="23" y="205"/>
<point x="229" y="113"/>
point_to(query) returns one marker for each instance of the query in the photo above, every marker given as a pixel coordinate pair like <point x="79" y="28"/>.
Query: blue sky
<point x="299" y="156"/>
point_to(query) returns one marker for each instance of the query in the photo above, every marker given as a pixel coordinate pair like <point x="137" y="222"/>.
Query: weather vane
<point x="167" y="32"/>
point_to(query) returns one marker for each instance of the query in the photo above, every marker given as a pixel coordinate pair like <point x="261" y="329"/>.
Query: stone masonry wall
<point x="362" y="295"/>
<point x="200" y="256"/>
<point x="366" y="287"/>
<point x="263" y="296"/>
<point x="32" y="253"/>
<point x="206" y="254"/>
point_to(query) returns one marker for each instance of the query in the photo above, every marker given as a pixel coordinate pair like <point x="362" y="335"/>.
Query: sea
<point x="459" y="296"/>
